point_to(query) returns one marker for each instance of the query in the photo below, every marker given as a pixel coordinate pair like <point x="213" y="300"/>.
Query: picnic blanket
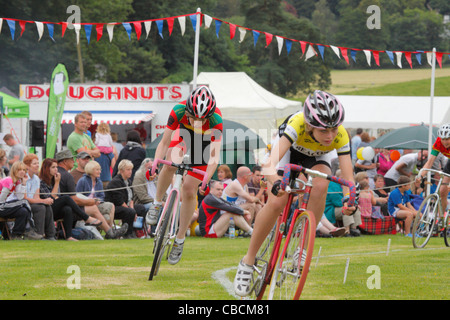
<point x="371" y="225"/>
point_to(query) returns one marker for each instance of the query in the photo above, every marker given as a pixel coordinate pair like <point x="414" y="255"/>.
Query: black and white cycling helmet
<point x="444" y="131"/>
<point x="323" y="110"/>
<point x="201" y="103"/>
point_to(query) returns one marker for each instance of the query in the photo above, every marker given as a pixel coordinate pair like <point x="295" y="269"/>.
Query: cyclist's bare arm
<point x="163" y="146"/>
<point x="276" y="154"/>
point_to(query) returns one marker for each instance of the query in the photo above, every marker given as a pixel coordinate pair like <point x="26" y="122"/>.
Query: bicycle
<point x="286" y="272"/>
<point x="430" y="218"/>
<point x="164" y="234"/>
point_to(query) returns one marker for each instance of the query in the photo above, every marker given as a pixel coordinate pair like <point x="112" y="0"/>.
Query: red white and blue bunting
<point x="309" y="49"/>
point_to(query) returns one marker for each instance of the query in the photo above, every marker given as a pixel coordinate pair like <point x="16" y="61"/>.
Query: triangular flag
<point x="63" y="28"/>
<point x="218" y="24"/>
<point x="40" y="29"/>
<point x="310" y="53"/>
<point x="110" y="30"/>
<point x="399" y="58"/>
<point x="182" y="22"/>
<point x="288" y="45"/>
<point x="368" y="56"/>
<point x="170" y="25"/>
<point x="148" y="27"/>
<point x="344" y="54"/>
<point x="194" y="21"/>
<point x="12" y="27"/>
<point x="255" y="37"/>
<point x="242" y="32"/>
<point x="269" y="37"/>
<point x="99" y="30"/>
<point x="408" y="58"/>
<point x="232" y="30"/>
<point x="138" y="28"/>
<point x="88" y="30"/>
<point x="208" y="21"/>
<point x="376" y="57"/>
<point x="280" y="44"/>
<point x="127" y="27"/>
<point x="390" y="55"/>
<point x="353" y="54"/>
<point x="321" y="50"/>
<point x="419" y="57"/>
<point x="77" y="28"/>
<point x="50" y="30"/>
<point x="303" y="46"/>
<point x="159" y="24"/>
<point x="429" y="54"/>
<point x="439" y="58"/>
<point x="22" y="27"/>
<point x="336" y="51"/>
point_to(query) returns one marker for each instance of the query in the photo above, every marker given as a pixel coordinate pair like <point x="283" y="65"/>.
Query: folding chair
<point x="5" y="228"/>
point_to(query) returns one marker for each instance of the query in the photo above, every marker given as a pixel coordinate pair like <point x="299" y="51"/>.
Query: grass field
<point x="118" y="270"/>
<point x="403" y="82"/>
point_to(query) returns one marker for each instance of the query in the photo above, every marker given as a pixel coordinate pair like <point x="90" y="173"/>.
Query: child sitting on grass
<point x="399" y="205"/>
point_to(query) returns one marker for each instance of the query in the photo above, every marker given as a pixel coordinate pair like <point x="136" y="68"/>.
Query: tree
<point x="283" y="74"/>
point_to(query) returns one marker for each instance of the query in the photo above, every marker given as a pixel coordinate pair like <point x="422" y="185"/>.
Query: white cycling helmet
<point x="444" y="131"/>
<point x="323" y="110"/>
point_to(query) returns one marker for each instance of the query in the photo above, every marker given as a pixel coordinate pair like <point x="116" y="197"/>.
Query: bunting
<point x="309" y="49"/>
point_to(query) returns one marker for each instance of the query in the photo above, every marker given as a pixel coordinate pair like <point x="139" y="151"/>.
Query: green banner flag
<point x="56" y="101"/>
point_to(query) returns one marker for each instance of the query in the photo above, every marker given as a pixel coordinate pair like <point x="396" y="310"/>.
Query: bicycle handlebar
<point x="441" y="173"/>
<point x="293" y="167"/>
<point x="180" y="166"/>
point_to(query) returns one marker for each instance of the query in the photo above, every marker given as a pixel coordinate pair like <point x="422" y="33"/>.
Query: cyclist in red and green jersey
<point x="194" y="125"/>
<point x="441" y="145"/>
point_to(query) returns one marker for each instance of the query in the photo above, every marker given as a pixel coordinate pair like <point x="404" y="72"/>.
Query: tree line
<point x="404" y="25"/>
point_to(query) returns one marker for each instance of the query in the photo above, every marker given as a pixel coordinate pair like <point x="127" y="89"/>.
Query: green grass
<point x="409" y="88"/>
<point x="118" y="270"/>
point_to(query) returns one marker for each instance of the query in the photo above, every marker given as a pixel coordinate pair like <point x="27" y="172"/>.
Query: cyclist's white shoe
<point x="153" y="214"/>
<point x="175" y="253"/>
<point x="243" y="279"/>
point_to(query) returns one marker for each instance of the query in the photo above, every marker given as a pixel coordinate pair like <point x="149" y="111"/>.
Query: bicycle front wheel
<point x="293" y="263"/>
<point x="447" y="229"/>
<point x="162" y="237"/>
<point x="424" y="221"/>
<point x="261" y="264"/>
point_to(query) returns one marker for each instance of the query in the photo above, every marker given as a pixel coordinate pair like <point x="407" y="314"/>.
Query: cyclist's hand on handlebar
<point x="149" y="176"/>
<point x="276" y="189"/>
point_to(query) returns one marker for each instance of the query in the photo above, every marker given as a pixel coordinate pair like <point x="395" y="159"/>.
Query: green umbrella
<point x="413" y="137"/>
<point x="14" y="108"/>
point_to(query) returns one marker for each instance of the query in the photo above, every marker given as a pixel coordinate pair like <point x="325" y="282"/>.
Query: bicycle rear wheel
<point x="162" y="237"/>
<point x="447" y="229"/>
<point x="293" y="263"/>
<point x="424" y="221"/>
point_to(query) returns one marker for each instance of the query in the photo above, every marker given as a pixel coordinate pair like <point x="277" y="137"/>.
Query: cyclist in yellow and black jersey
<point x="306" y="138"/>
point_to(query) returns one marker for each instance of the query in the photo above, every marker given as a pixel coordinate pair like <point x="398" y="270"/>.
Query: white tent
<point x="243" y="100"/>
<point x="391" y="112"/>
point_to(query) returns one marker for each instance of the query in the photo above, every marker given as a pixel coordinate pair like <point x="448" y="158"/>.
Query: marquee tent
<point x="391" y="112"/>
<point x="14" y="108"/>
<point x="243" y="100"/>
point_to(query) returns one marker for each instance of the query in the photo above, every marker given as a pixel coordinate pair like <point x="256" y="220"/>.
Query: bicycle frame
<point x="433" y="221"/>
<point x="181" y="168"/>
<point x="288" y="186"/>
<point x="166" y="230"/>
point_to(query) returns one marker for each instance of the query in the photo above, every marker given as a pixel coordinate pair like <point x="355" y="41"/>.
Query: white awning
<point x="112" y="117"/>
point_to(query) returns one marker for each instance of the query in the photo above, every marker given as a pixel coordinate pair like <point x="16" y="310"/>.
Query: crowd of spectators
<point x="101" y="186"/>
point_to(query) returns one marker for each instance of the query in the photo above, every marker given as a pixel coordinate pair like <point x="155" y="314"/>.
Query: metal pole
<point x="197" y="40"/>
<point x="430" y="127"/>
